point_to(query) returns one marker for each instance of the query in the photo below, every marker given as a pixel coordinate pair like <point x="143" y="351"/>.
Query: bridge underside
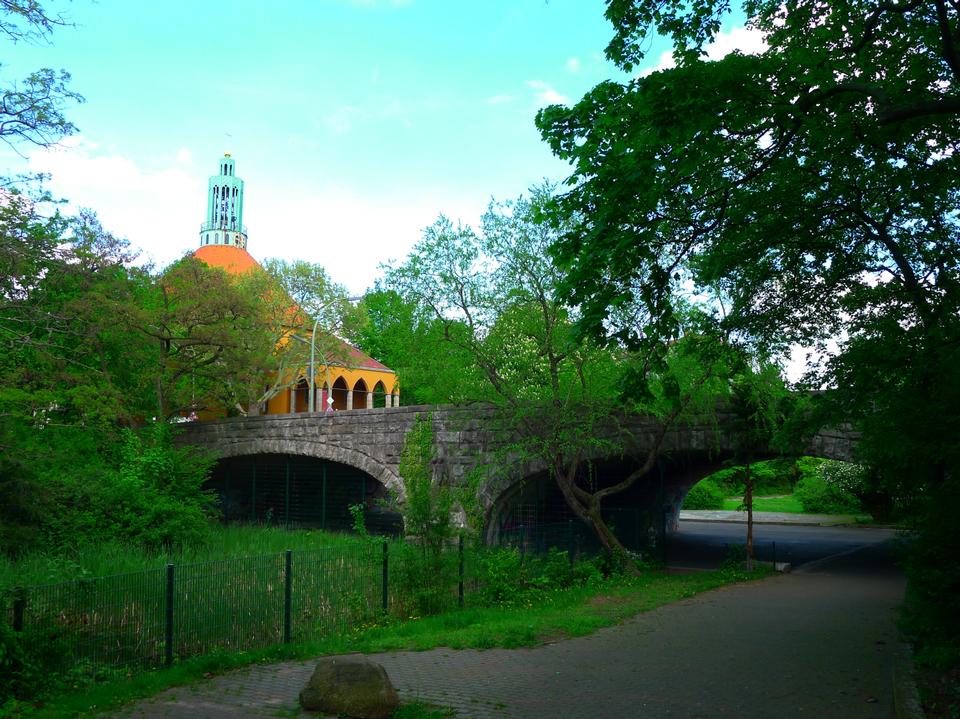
<point x="298" y="491"/>
<point x="534" y="510"/>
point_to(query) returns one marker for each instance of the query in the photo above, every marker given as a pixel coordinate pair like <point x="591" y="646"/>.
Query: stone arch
<point x="319" y="450"/>
<point x="660" y="492"/>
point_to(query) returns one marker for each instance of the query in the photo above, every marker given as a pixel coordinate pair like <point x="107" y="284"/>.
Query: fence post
<point x="774" y="555"/>
<point x="287" y="592"/>
<point x="169" y="617"/>
<point x="460" y="570"/>
<point x="386" y="575"/>
<point x="570" y="541"/>
<point x="523" y="542"/>
<point x="19" y="607"/>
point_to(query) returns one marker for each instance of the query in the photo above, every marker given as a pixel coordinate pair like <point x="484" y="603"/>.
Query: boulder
<point x="351" y="686"/>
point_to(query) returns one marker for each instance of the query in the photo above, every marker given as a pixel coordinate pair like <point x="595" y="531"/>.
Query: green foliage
<point x="426" y="354"/>
<point x="770" y="476"/>
<point x="32" y="110"/>
<point x="705" y="494"/>
<point x="426" y="510"/>
<point x="933" y="591"/>
<point x="34" y="663"/>
<point x="817" y="494"/>
<point x="509" y="579"/>
<point x="153" y="499"/>
<point x="558" y="396"/>
<point x="425" y="571"/>
<point x="810" y="189"/>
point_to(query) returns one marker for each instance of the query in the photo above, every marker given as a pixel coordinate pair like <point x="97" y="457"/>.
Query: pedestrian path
<point x="816" y="643"/>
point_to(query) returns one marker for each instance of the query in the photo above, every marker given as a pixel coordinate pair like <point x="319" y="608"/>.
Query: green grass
<point x="787" y="503"/>
<point x="105" y="559"/>
<point x="550" y="616"/>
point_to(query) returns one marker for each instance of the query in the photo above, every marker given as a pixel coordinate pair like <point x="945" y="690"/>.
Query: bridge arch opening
<point x="534" y="508"/>
<point x="789" y="484"/>
<point x="298" y="491"/>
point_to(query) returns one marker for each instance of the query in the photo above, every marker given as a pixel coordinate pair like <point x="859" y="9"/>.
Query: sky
<point x="354" y="123"/>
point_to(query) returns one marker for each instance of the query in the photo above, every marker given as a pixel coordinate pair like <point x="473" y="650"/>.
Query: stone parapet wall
<point x="465" y="437"/>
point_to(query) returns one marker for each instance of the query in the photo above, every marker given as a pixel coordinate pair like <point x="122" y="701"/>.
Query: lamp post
<point x="313" y="352"/>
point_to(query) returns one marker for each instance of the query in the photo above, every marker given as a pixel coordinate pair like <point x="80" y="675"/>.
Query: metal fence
<point x="152" y="618"/>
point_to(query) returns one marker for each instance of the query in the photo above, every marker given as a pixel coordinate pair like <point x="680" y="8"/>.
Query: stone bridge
<point x="371" y="440"/>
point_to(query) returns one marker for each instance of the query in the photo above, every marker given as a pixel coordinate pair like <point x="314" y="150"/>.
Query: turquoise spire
<point x="224" y="222"/>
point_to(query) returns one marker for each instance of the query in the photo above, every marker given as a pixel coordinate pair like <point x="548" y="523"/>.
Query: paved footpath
<point x="817" y="643"/>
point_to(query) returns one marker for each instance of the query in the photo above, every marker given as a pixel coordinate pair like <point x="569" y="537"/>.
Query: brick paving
<point x="813" y="644"/>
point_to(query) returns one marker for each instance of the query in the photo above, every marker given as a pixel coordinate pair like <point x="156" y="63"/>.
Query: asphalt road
<point x="704" y="545"/>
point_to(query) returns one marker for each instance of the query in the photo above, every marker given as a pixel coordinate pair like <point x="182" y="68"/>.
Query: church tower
<point x="224" y="222"/>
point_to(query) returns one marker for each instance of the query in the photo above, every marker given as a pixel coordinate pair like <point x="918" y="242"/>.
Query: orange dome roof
<point x="232" y="260"/>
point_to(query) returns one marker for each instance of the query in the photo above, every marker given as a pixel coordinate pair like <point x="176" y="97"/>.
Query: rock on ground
<point x="351" y="686"/>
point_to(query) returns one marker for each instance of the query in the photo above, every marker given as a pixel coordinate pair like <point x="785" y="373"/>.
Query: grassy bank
<point x="781" y="503"/>
<point x="546" y="616"/>
<point x="104" y="559"/>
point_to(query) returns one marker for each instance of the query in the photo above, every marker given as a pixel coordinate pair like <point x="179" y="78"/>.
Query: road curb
<point x="770" y="522"/>
<point x="906" y="698"/>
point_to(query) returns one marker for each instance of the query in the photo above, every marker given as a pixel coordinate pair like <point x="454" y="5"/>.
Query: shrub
<point x="31" y="664"/>
<point x="817" y="494"/>
<point x="705" y="494"/>
<point x="501" y="575"/>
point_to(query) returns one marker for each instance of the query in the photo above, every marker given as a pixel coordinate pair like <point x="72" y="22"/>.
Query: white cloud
<point x="573" y="65"/>
<point x="158" y="210"/>
<point x="546" y="95"/>
<point x="498" y="99"/>
<point x="184" y="157"/>
<point x="748" y="41"/>
<point x="351" y="234"/>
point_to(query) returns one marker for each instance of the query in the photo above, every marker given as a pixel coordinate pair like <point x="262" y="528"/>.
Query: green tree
<point x="812" y="187"/>
<point x="32" y="109"/>
<point x="758" y="400"/>
<point x="213" y="337"/>
<point x="411" y="341"/>
<point x="557" y="395"/>
<point x="317" y="296"/>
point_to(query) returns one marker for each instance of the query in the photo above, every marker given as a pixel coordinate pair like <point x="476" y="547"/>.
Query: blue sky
<point x="353" y="123"/>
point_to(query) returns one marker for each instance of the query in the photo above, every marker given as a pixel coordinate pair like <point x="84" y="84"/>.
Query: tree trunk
<point x="587" y="507"/>
<point x="610" y="542"/>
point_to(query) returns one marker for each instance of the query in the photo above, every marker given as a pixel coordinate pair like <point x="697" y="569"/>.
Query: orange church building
<point x="354" y="381"/>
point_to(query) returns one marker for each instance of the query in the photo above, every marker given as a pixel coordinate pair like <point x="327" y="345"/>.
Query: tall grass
<point x="99" y="560"/>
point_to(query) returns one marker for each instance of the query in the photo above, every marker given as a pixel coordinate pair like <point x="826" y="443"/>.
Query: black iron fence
<point x="152" y="618"/>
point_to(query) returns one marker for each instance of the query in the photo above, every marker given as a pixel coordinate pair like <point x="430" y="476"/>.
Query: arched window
<point x="360" y="392"/>
<point x="301" y="397"/>
<point x="379" y="395"/>
<point x="339" y="394"/>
